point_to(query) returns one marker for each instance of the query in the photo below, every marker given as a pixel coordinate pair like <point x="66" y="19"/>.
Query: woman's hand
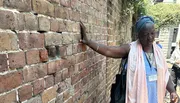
<point x="174" y="97"/>
<point x="83" y="33"/>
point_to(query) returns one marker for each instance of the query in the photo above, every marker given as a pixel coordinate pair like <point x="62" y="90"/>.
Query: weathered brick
<point x="1" y="2"/>
<point x="40" y="6"/>
<point x="32" y="56"/>
<point x="44" y="24"/>
<point x="10" y="81"/>
<point x="62" y="26"/>
<point x="59" y="98"/>
<point x="54" y="1"/>
<point x="8" y="41"/>
<point x="16" y="60"/>
<point x="49" y="94"/>
<point x="30" y="40"/>
<point x="50" y="9"/>
<point x="3" y="63"/>
<point x="63" y="51"/>
<point x="43" y="55"/>
<point x="76" y="4"/>
<point x="20" y="21"/>
<point x="20" y="5"/>
<point x="51" y="51"/>
<point x="36" y="99"/>
<point x="75" y="78"/>
<point x="74" y="15"/>
<point x="65" y="73"/>
<point x="58" y="77"/>
<point x="8" y="98"/>
<point x="53" y="39"/>
<point x="25" y="92"/>
<point x="66" y="95"/>
<point x="66" y="3"/>
<point x="31" y="22"/>
<point x="67" y="39"/>
<point x="83" y="17"/>
<point x="70" y="100"/>
<point x="7" y="19"/>
<point x="31" y="73"/>
<point x="38" y="86"/>
<point x="54" y="25"/>
<point x="61" y="12"/>
<point x="49" y="81"/>
<point x="69" y="49"/>
<point x="51" y="67"/>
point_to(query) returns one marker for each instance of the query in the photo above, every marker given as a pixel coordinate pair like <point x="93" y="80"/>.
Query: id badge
<point x="152" y="78"/>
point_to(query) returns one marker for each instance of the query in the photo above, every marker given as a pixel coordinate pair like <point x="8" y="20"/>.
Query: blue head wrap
<point x="142" y="21"/>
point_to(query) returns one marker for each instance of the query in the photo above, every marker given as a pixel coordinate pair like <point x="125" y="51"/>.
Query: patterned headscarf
<point x="142" y="21"/>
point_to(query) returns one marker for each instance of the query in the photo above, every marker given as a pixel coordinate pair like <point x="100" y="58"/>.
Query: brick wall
<point x="41" y="60"/>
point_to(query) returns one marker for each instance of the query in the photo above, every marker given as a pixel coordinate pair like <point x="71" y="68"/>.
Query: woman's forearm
<point x="109" y="51"/>
<point x="170" y="86"/>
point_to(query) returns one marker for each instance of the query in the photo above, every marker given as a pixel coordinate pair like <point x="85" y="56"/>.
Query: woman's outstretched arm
<point x="109" y="51"/>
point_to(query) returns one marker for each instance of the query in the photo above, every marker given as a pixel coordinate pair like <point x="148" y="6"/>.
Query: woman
<point x="147" y="72"/>
<point x="175" y="60"/>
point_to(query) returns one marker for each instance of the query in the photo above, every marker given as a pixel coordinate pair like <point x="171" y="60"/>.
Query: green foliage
<point x="164" y="14"/>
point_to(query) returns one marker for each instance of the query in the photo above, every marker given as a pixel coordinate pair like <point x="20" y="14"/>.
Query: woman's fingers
<point x="174" y="98"/>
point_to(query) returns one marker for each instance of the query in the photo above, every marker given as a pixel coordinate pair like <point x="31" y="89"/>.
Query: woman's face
<point x="147" y="34"/>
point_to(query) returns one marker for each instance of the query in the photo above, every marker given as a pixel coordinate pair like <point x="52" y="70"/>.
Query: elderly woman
<point x="175" y="60"/>
<point x="147" y="73"/>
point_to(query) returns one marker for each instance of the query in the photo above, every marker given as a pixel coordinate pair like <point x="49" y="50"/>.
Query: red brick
<point x="54" y="25"/>
<point x="51" y="67"/>
<point x="31" y="22"/>
<point x="16" y="60"/>
<point x="3" y="63"/>
<point x="20" y="5"/>
<point x="49" y="81"/>
<point x="10" y="81"/>
<point x="58" y="77"/>
<point x="43" y="55"/>
<point x="8" y="20"/>
<point x="44" y="24"/>
<point x="31" y="40"/>
<point x="34" y="72"/>
<point x="8" y="41"/>
<point x="9" y="97"/>
<point x="32" y="57"/>
<point x="66" y="3"/>
<point x="38" y="86"/>
<point x="25" y="92"/>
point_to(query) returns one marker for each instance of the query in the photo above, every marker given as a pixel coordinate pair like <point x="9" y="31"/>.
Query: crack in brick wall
<point x="41" y="59"/>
